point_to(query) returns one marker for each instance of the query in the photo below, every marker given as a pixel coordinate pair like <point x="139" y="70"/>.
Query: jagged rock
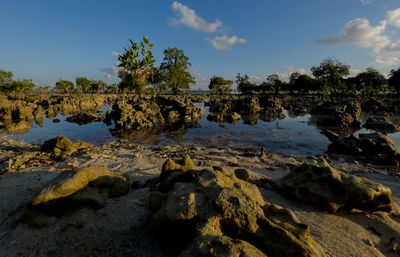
<point x="374" y="105"/>
<point x="20" y="127"/>
<point x="62" y="146"/>
<point x="25" y="113"/>
<point x="216" y="214"/>
<point x="381" y="125"/>
<point x="170" y="165"/>
<point x="330" y="189"/>
<point x="338" y="115"/>
<point x="85" y="118"/>
<point x="90" y="186"/>
<point x="374" y="147"/>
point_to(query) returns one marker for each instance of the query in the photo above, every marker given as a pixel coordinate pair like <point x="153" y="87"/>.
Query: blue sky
<point x="51" y="40"/>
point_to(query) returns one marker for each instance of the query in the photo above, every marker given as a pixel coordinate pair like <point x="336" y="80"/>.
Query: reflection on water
<point x="288" y="133"/>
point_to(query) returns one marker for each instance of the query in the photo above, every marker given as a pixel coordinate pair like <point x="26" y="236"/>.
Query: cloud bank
<point x="225" y="42"/>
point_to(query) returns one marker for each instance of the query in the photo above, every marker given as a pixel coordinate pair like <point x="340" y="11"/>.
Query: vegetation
<point x="174" y="68"/>
<point x="136" y="66"/>
<point x="10" y="86"/>
<point x="64" y="86"/>
<point x="394" y="80"/>
<point x="220" y="85"/>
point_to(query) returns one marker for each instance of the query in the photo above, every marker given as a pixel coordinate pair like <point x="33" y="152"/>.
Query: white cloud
<point x="189" y="18"/>
<point x="360" y="33"/>
<point x="379" y="38"/>
<point x="393" y="17"/>
<point x="115" y="53"/>
<point x="365" y="2"/>
<point x="387" y="62"/>
<point x="225" y="42"/>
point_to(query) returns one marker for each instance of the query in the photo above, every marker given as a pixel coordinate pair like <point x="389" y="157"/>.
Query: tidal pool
<point x="292" y="135"/>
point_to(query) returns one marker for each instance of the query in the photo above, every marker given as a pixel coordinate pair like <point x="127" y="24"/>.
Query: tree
<point x="220" y="85"/>
<point x="244" y="85"/>
<point x="112" y="89"/>
<point x="8" y="85"/>
<point x="394" y="80"/>
<point x="370" y="79"/>
<point x="97" y="86"/>
<point x="64" y="86"/>
<point x="137" y="66"/>
<point x="302" y="82"/>
<point x="83" y="84"/>
<point x="331" y="73"/>
<point x="174" y="70"/>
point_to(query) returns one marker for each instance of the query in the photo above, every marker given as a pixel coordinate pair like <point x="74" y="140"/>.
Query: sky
<point x="50" y="40"/>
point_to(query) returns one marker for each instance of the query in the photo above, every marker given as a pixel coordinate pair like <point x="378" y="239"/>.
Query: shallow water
<point x="291" y="135"/>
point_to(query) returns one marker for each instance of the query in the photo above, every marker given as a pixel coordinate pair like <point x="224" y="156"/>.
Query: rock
<point x="381" y="125"/>
<point x="374" y="147"/>
<point x="169" y="166"/>
<point x="85" y="118"/>
<point x="62" y="146"/>
<point x="338" y="115"/>
<point x="216" y="214"/>
<point x="374" y="105"/>
<point x="19" y="128"/>
<point x="243" y="174"/>
<point x="20" y="160"/>
<point x="90" y="186"/>
<point x="330" y="189"/>
<point x="56" y="120"/>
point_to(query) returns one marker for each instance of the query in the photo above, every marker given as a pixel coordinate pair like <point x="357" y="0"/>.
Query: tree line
<point x="330" y="76"/>
<point x="137" y="71"/>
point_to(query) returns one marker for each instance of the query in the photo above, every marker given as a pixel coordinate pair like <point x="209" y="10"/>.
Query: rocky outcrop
<point x="338" y="115"/>
<point x="381" y="125"/>
<point x="149" y="113"/>
<point x="62" y="146"/>
<point x="210" y="212"/>
<point x="330" y="189"/>
<point x="85" y="118"/>
<point x="375" y="147"/>
<point x="84" y="187"/>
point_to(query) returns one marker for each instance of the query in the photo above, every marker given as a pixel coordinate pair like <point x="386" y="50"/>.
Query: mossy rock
<point x="62" y="146"/>
<point x="330" y="189"/>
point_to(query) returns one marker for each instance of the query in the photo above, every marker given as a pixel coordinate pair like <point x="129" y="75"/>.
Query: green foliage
<point x="64" y="86"/>
<point x="137" y="66"/>
<point x="370" y="78"/>
<point x="83" y="84"/>
<point x="244" y="85"/>
<point x="112" y="89"/>
<point x="220" y="85"/>
<point x="97" y="86"/>
<point x="42" y="90"/>
<point x="394" y="79"/>
<point x="302" y="82"/>
<point x="330" y="72"/>
<point x="173" y="70"/>
<point x="8" y="85"/>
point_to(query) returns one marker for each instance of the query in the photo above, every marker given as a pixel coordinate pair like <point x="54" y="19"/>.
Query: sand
<point x="120" y="228"/>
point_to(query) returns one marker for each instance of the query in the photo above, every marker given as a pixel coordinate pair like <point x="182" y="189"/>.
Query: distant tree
<point x="174" y="70"/>
<point x="220" y="85"/>
<point x="42" y="90"/>
<point x="137" y="66"/>
<point x="293" y="77"/>
<point x="265" y="87"/>
<point x="97" y="86"/>
<point x="394" y="80"/>
<point x="244" y="85"/>
<point x="331" y="72"/>
<point x="82" y="84"/>
<point x="303" y="83"/>
<point x="112" y="89"/>
<point x="8" y="85"/>
<point x="64" y="86"/>
<point x="370" y="79"/>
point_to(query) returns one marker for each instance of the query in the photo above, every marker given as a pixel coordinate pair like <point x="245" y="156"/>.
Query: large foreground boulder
<point x="211" y="212"/>
<point x="90" y="186"/>
<point x="62" y="146"/>
<point x="381" y="125"/>
<point x="330" y="189"/>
